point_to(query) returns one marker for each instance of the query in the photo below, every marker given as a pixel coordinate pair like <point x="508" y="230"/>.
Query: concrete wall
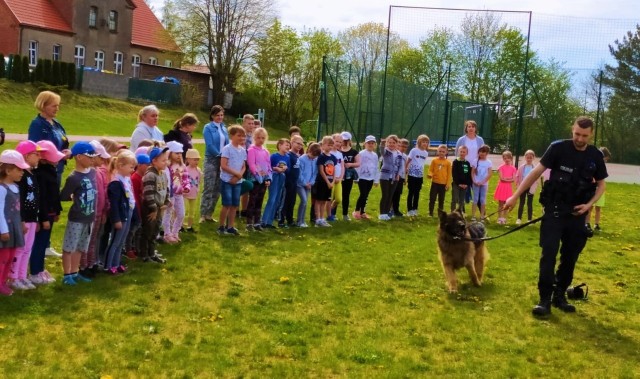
<point x="110" y="85"/>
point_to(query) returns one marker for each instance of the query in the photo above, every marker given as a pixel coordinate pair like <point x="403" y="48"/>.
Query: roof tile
<point x="38" y="13"/>
<point x="148" y="31"/>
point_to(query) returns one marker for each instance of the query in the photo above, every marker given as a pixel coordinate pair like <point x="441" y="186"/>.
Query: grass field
<point x="359" y="300"/>
<point x="92" y="115"/>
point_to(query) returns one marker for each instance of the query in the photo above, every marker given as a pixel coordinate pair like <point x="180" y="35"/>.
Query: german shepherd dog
<point x="457" y="251"/>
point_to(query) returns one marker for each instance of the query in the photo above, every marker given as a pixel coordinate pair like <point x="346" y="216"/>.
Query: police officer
<point x="576" y="183"/>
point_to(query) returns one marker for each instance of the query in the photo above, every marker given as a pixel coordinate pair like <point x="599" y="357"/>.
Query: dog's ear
<point x="442" y="215"/>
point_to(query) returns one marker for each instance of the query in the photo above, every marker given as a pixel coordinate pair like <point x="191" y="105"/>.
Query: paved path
<point x="618" y="173"/>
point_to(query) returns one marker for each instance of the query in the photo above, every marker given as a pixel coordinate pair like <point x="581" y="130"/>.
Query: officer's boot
<point x="559" y="301"/>
<point x="543" y="309"/>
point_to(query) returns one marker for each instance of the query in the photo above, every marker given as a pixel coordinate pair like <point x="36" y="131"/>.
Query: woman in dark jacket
<point x="181" y="132"/>
<point x="46" y="127"/>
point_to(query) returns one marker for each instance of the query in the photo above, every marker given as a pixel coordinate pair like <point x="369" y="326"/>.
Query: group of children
<point x="125" y="202"/>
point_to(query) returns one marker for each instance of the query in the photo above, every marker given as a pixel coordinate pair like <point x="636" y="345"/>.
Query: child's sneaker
<point x="257" y="227"/>
<point x="303" y="225"/>
<point x="597" y="227"/>
<point x="346" y="218"/>
<point x="157" y="259"/>
<point x="518" y="222"/>
<point x="355" y="215"/>
<point x="68" y="280"/>
<point x="27" y="283"/>
<point x="190" y="229"/>
<point x="17" y="285"/>
<point x="221" y="230"/>
<point x="48" y="276"/>
<point x="170" y="239"/>
<point x="122" y="269"/>
<point x="5" y="290"/>
<point x="232" y="231"/>
<point x="50" y="252"/>
<point x="131" y="254"/>
<point x="324" y="224"/>
<point x="37" y="279"/>
<point x="331" y="218"/>
<point x="249" y="228"/>
<point x="365" y="216"/>
<point x="113" y="271"/>
<point x="81" y="278"/>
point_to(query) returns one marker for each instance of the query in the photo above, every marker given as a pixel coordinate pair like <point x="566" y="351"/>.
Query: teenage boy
<point x="155" y="199"/>
<point x="80" y="188"/>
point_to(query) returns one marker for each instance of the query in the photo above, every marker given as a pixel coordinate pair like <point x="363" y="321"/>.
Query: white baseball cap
<point x="346" y="136"/>
<point x="370" y="138"/>
<point x="175" y="147"/>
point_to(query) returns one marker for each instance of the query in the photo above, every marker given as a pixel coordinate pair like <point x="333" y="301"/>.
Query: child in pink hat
<point x="29" y="209"/>
<point x="12" y="165"/>
<point x="49" y="208"/>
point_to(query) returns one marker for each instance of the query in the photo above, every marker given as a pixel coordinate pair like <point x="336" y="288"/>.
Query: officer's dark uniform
<point x="571" y="183"/>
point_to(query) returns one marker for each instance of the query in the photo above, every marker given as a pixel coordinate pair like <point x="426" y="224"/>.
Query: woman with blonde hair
<point x="147" y="126"/>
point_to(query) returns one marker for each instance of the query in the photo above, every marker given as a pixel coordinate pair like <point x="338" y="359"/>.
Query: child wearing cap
<point x="80" y="188"/>
<point x="232" y="166"/>
<point x="351" y="163"/>
<point x="155" y="200"/>
<point x="29" y="206"/>
<point x="369" y="174"/>
<point x="132" y="245"/>
<point x="12" y="165"/>
<point x="178" y="184"/>
<point x="191" y="196"/>
<point x="49" y="209"/>
<point x="96" y="252"/>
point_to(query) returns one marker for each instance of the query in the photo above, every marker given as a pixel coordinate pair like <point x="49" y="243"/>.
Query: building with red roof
<point x="109" y="35"/>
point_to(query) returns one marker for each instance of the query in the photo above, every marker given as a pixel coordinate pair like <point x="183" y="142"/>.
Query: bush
<point x="65" y="73"/>
<point x="39" y="71"/>
<point x="26" y="73"/>
<point x="56" y="78"/>
<point x="16" y="69"/>
<point x="48" y="71"/>
<point x="2" y="70"/>
<point x="71" y="69"/>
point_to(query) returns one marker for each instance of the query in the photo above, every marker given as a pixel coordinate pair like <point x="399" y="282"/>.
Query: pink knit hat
<point x="50" y="151"/>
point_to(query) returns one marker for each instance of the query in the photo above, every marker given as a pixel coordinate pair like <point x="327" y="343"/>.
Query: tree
<point x="278" y="69"/>
<point x="2" y="68"/>
<point x="48" y="71"/>
<point x="227" y="31"/>
<point x="56" y="72"/>
<point x="16" y="68"/>
<point x="365" y="46"/>
<point x="317" y="44"/>
<point x="39" y="73"/>
<point x="26" y="74"/>
<point x="623" y="113"/>
<point x="71" y="68"/>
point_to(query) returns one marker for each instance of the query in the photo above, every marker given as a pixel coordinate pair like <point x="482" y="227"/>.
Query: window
<point x="153" y="61"/>
<point x="33" y="53"/>
<point x="93" y="17"/>
<point x="168" y="63"/>
<point x="99" y="60"/>
<point x="113" y="21"/>
<point x="118" y="58"/>
<point x="135" y="63"/>
<point x="78" y="56"/>
<point x="57" y="51"/>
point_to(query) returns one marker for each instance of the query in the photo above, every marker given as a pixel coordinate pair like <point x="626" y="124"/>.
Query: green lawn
<point x="363" y="299"/>
<point x="92" y="115"/>
<point x="359" y="300"/>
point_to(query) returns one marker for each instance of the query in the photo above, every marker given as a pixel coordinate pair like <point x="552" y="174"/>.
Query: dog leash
<point x="501" y="235"/>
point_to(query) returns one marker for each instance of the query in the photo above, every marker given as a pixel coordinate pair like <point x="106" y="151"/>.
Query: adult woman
<point x="46" y="127"/>
<point x="215" y="138"/>
<point x="471" y="140"/>
<point x="181" y="132"/>
<point x="147" y="128"/>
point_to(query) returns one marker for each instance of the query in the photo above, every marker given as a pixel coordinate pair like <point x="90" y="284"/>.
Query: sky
<point x="576" y="33"/>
